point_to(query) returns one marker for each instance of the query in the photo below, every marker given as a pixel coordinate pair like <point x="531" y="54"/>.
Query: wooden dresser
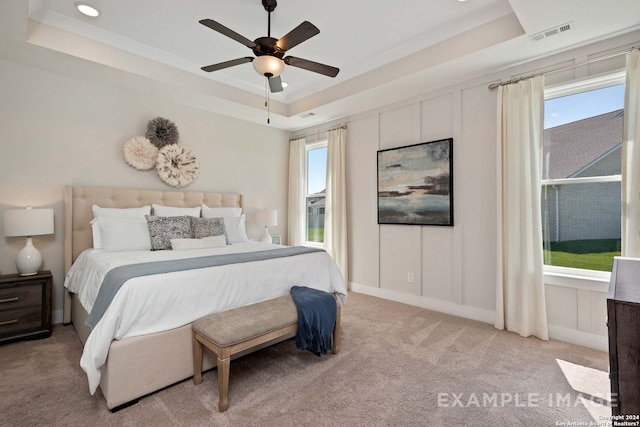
<point x="623" y="320"/>
<point x="25" y="306"/>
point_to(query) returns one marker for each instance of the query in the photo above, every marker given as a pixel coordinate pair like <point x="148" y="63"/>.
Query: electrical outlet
<point x="410" y="277"/>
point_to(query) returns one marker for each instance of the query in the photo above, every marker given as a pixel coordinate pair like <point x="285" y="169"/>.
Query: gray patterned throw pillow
<point x="206" y="227"/>
<point x="164" y="228"/>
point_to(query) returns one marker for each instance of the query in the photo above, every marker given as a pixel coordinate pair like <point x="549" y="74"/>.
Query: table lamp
<point x="28" y="222"/>
<point x="267" y="217"/>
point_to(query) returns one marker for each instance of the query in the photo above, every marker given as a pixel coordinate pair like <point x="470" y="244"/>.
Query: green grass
<point x="587" y="254"/>
<point x="315" y="234"/>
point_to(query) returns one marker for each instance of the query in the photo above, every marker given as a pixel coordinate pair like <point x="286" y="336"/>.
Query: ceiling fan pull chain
<point x="266" y="97"/>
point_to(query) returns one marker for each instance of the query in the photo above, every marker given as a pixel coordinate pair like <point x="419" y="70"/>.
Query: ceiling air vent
<point x="551" y="32"/>
<point x="307" y="115"/>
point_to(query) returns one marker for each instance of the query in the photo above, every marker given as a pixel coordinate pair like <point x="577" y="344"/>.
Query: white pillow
<point x="121" y="212"/>
<point x="208" y="212"/>
<point x="234" y="228"/>
<point x="205" y="242"/>
<point x="114" y="212"/>
<point x="123" y="234"/>
<point x="159" y="210"/>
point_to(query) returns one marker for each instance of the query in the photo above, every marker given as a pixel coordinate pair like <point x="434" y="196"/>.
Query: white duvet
<point x="156" y="303"/>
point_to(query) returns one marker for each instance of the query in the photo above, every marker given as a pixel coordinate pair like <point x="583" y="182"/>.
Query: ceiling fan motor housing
<point x="267" y="46"/>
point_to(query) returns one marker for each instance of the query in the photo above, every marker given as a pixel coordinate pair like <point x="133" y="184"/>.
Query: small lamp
<point x="28" y="222"/>
<point x="267" y="217"/>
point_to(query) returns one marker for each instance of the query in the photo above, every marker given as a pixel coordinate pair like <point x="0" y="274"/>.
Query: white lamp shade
<point x="267" y="64"/>
<point x="267" y="217"/>
<point x="28" y="222"/>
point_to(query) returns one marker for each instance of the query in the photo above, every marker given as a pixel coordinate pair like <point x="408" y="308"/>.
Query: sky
<point x="317" y="165"/>
<point x="566" y="109"/>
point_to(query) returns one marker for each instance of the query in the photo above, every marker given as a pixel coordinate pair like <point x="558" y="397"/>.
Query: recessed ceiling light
<point x="85" y="9"/>
<point x="285" y="84"/>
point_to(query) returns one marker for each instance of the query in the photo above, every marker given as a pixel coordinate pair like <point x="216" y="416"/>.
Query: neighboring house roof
<point x="320" y="203"/>
<point x="572" y="148"/>
<point x="317" y="201"/>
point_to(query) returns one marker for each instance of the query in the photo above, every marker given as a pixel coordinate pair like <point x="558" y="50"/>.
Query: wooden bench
<point x="233" y="331"/>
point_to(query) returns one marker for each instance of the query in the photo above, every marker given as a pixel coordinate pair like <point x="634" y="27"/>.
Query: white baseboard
<point x="466" y="311"/>
<point x="573" y="336"/>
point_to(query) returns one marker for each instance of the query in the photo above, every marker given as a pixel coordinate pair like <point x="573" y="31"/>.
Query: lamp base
<point x="29" y="259"/>
<point x="266" y="237"/>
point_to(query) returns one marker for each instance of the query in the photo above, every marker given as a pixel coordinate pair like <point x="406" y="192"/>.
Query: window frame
<point x="310" y="146"/>
<point x="579" y="278"/>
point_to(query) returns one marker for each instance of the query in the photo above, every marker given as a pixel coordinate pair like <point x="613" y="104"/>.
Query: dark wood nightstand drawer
<point x="21" y="319"/>
<point x="25" y="306"/>
<point x="20" y="297"/>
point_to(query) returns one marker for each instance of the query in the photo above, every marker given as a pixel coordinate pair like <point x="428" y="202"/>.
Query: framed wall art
<point x="415" y="184"/>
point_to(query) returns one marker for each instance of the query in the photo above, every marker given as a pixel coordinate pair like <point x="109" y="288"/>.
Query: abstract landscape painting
<point x="415" y="184"/>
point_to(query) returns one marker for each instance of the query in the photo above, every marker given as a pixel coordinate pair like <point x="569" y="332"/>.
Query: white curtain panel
<point x="296" y="212"/>
<point x="520" y="298"/>
<point x="631" y="159"/>
<point x="335" y="233"/>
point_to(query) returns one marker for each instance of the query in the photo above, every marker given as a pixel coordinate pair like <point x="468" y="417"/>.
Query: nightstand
<point x="25" y="306"/>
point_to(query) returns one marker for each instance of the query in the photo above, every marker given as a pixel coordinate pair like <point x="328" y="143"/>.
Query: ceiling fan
<point x="269" y="52"/>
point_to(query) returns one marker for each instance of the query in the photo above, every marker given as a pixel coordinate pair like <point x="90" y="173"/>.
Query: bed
<point x="141" y="359"/>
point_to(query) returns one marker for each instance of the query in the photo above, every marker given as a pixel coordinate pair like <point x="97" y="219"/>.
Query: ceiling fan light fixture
<point x="267" y="65"/>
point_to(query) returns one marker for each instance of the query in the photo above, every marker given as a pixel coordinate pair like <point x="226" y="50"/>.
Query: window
<point x="581" y="174"/>
<point x="316" y="183"/>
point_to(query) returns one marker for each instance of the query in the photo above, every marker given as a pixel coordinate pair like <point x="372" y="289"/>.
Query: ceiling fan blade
<point x="302" y="32"/>
<point x="226" y="64"/>
<point x="316" y="67"/>
<point x="216" y="26"/>
<point x="275" y="84"/>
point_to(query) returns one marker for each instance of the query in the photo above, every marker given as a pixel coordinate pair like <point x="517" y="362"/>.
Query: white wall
<point x="57" y="130"/>
<point x="454" y="267"/>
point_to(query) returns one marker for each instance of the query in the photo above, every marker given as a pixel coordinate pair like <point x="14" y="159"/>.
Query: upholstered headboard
<point x="79" y="200"/>
<point x="78" y="213"/>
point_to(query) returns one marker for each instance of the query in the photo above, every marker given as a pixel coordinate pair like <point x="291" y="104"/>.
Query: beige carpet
<point x="399" y="366"/>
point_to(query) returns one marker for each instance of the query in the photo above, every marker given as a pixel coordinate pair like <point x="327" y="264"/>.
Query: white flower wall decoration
<point x="140" y="153"/>
<point x="177" y="166"/>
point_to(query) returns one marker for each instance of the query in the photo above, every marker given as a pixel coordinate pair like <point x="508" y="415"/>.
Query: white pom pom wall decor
<point x="140" y="153"/>
<point x="177" y="166"/>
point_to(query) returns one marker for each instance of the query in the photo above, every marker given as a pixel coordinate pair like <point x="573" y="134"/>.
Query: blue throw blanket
<point x="316" y="318"/>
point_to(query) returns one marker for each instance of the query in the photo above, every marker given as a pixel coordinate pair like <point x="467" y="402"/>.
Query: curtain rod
<point x="317" y="132"/>
<point x="568" y="67"/>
